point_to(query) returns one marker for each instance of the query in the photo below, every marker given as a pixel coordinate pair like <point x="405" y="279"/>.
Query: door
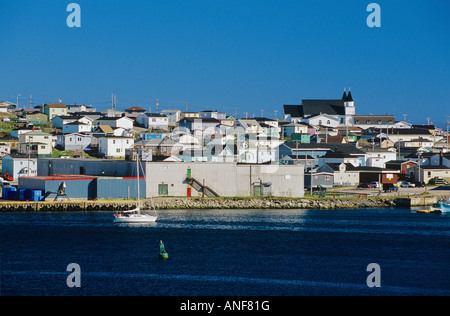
<point x="257" y="190"/>
<point x="163" y="189"/>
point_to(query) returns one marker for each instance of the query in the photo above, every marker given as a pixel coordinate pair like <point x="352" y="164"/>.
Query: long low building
<point x="187" y="179"/>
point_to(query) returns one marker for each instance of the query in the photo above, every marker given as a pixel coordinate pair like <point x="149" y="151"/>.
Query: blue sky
<point x="251" y="55"/>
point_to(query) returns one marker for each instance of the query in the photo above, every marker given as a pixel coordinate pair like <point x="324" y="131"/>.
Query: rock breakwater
<point x="269" y="203"/>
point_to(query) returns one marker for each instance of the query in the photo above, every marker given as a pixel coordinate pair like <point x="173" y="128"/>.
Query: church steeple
<point x="349" y="96"/>
<point x="344" y="97"/>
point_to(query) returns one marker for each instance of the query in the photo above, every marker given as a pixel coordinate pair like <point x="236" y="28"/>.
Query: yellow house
<point x="36" y="142"/>
<point x="54" y="109"/>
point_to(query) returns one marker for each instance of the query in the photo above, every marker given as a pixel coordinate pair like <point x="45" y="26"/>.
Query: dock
<point x="65" y="206"/>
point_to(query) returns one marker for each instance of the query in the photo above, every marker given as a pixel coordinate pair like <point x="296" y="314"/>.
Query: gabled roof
<point x="105" y="129"/>
<point x="331" y="107"/>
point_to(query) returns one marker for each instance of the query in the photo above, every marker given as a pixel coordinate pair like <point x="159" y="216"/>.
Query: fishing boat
<point x="135" y="215"/>
<point x="443" y="206"/>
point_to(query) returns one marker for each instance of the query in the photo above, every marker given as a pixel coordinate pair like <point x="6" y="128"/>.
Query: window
<point x="328" y="122"/>
<point x="114" y="141"/>
<point x="118" y="150"/>
<point x="320" y="122"/>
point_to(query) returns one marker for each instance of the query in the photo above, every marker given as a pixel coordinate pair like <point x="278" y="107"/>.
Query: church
<point x="329" y="113"/>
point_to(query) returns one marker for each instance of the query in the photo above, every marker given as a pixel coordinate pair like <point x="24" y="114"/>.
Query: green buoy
<point x="163" y="255"/>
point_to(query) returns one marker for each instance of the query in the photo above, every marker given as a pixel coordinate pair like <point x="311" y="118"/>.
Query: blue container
<point x="23" y="194"/>
<point x="4" y="192"/>
<point x="12" y="195"/>
<point x="36" y="195"/>
<point x="9" y="193"/>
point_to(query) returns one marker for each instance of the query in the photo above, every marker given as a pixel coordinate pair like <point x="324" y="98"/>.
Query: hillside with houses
<point x="334" y="145"/>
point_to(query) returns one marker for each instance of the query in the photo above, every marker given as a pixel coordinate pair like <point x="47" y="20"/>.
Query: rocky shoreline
<point x="270" y="203"/>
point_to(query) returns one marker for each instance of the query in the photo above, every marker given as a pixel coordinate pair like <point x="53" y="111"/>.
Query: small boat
<point x="434" y="211"/>
<point x="135" y="215"/>
<point x="443" y="206"/>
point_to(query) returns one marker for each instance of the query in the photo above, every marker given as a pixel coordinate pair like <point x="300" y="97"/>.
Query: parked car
<point x="389" y="187"/>
<point x="374" y="184"/>
<point x="407" y="185"/>
<point x="419" y="184"/>
<point x="364" y="186"/>
<point x="6" y="176"/>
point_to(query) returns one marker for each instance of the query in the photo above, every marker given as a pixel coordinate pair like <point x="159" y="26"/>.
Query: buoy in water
<point x="163" y="255"/>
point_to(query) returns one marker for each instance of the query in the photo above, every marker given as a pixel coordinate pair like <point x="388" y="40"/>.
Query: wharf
<point x="65" y="206"/>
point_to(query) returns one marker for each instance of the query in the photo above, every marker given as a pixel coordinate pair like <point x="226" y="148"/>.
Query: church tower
<point x="349" y="107"/>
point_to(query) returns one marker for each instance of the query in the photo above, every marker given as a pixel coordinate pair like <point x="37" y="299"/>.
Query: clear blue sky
<point x="226" y="54"/>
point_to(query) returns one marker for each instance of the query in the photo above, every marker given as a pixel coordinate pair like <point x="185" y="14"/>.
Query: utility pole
<point x="276" y="114"/>
<point x="404" y="117"/>
<point x="235" y="113"/>
<point x="187" y="106"/>
<point x="17" y="103"/>
<point x="448" y="122"/>
<point x="262" y="113"/>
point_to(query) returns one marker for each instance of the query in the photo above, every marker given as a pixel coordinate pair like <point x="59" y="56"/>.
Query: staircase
<point x="197" y="185"/>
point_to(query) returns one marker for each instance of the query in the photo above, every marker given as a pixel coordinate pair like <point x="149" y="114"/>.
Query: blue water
<point x="232" y="253"/>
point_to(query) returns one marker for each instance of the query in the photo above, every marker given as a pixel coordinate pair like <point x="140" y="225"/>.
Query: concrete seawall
<point x="197" y="203"/>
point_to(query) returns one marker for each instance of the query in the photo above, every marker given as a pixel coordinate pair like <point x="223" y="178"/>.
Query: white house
<point x="20" y="165"/>
<point x="113" y="146"/>
<point x="378" y="158"/>
<point x="76" y="127"/>
<point x="344" y="174"/>
<point x="74" y="141"/>
<point x="116" y="122"/>
<point x="36" y="142"/>
<point x="60" y="121"/>
<point x="339" y="158"/>
<point x="323" y="120"/>
<point x="173" y="115"/>
<point x="153" y="120"/>
<point x="295" y="128"/>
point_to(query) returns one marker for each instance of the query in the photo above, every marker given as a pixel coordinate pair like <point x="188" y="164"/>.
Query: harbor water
<point x="227" y="253"/>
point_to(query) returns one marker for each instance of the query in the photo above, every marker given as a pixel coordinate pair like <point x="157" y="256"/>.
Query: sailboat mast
<point x="137" y="173"/>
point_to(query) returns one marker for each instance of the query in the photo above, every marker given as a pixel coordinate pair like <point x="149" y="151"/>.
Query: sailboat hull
<point x="136" y="218"/>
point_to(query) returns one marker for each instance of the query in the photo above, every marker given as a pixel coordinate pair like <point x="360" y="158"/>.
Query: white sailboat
<point x="135" y="215"/>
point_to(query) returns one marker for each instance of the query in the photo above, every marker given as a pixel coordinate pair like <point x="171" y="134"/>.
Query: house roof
<point x="346" y="148"/>
<point x="331" y="107"/>
<point x="135" y="109"/>
<point x="105" y="129"/>
<point x="155" y="115"/>
<point x="374" y="119"/>
<point x="56" y="105"/>
<point x="293" y="110"/>
<point x="113" y="118"/>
